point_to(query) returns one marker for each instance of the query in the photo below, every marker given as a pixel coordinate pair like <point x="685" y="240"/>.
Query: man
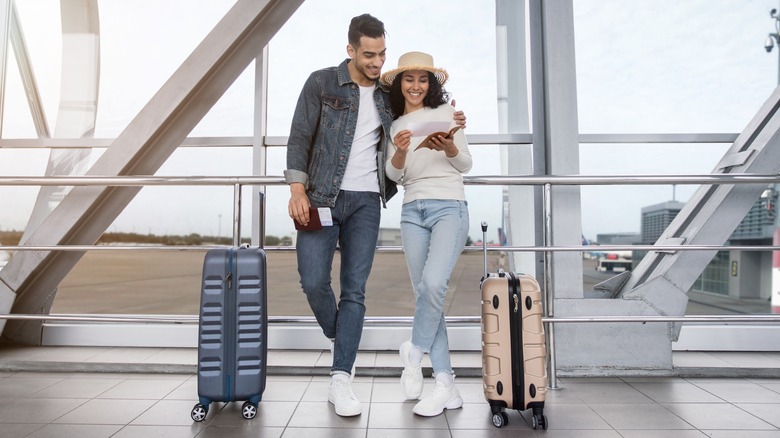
<point x="335" y="164"/>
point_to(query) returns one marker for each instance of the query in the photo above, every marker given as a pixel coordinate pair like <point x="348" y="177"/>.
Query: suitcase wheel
<point x="500" y="419"/>
<point x="199" y="412"/>
<point x="249" y="410"/>
<point x="540" y="420"/>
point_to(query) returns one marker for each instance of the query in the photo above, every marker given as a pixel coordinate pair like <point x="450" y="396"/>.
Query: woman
<point x="434" y="218"/>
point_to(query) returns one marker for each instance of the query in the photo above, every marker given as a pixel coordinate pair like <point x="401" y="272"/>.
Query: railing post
<point x="549" y="296"/>
<point x="237" y="214"/>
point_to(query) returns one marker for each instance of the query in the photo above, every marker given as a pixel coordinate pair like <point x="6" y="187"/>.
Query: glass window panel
<point x="667" y="66"/>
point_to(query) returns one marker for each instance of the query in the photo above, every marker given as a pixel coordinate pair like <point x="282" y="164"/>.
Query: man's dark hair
<point x="436" y="95"/>
<point x="364" y="25"/>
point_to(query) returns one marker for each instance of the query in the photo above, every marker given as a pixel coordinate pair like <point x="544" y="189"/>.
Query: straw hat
<point x="415" y="61"/>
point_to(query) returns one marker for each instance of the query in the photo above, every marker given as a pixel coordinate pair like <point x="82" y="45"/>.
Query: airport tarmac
<point x="168" y="283"/>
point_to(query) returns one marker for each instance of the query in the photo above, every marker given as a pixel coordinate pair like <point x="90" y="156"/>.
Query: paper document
<point x="428" y="128"/>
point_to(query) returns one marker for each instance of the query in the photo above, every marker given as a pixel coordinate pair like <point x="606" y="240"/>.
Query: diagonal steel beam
<point x="663" y="278"/>
<point x="28" y="283"/>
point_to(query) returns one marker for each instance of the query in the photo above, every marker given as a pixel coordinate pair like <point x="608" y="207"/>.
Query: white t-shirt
<point x="360" y="174"/>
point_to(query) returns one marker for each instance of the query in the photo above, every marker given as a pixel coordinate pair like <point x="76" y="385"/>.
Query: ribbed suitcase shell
<point x="233" y="333"/>
<point x="514" y="353"/>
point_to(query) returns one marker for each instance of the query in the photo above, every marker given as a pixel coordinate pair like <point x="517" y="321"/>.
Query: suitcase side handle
<point x="484" y="248"/>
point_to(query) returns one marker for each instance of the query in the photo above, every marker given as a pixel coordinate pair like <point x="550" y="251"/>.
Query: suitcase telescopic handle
<point x="484" y="247"/>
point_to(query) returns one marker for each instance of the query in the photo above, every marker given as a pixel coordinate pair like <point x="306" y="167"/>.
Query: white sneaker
<point x="443" y="397"/>
<point x="352" y="374"/>
<point x="411" y="377"/>
<point x="343" y="399"/>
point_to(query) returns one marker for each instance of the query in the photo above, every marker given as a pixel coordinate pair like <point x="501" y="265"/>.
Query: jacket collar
<point x="345" y="78"/>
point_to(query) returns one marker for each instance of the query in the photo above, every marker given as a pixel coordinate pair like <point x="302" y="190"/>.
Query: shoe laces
<point x="344" y="389"/>
<point x="440" y="388"/>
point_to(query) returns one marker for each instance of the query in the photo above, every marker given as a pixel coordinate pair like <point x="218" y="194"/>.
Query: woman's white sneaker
<point x="411" y="377"/>
<point x="444" y="397"/>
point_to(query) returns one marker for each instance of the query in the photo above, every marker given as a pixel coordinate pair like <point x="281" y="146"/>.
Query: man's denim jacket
<point x="322" y="131"/>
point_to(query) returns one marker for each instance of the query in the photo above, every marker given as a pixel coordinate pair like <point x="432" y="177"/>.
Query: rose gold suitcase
<point x="514" y="353"/>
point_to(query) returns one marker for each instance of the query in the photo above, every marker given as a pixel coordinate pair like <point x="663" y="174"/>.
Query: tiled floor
<point x="98" y="401"/>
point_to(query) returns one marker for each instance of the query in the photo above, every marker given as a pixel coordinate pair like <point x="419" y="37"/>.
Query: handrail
<point x="385" y="320"/>
<point x="473" y="139"/>
<point x="579" y="180"/>
<point x="388" y="248"/>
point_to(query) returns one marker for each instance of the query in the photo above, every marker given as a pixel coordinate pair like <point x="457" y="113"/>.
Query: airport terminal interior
<point x="624" y="160"/>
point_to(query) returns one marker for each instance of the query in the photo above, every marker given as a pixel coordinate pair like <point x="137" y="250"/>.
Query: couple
<point x="348" y="147"/>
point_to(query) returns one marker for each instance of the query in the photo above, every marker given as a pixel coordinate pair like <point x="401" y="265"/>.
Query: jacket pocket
<point x="334" y="112"/>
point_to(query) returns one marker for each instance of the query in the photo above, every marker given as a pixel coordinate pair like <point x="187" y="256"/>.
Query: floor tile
<point x="106" y="411"/>
<point x="678" y="391"/>
<point x="718" y="417"/>
<point x="25" y="386"/>
<point x="77" y="388"/>
<point x="400" y="416"/>
<point x="639" y="416"/>
<point x="241" y="432"/>
<point x="665" y="434"/>
<point x="767" y="412"/>
<point x="608" y="392"/>
<point x="75" y="431"/>
<point x="322" y="415"/>
<point x="405" y="433"/>
<point x="284" y="391"/>
<point x="166" y="413"/>
<point x="740" y="391"/>
<point x="15" y="430"/>
<point x="141" y="389"/>
<point x="301" y="432"/>
<point x="158" y="431"/>
<point x="563" y="416"/>
<point x="269" y="413"/>
<point x="37" y="410"/>
<point x="741" y="434"/>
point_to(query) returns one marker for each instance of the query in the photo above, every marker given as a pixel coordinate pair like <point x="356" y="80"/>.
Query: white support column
<point x="522" y="210"/>
<point x="259" y="150"/>
<point x="5" y="28"/>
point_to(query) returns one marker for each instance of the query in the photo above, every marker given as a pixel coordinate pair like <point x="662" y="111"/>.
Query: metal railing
<point x="546" y="182"/>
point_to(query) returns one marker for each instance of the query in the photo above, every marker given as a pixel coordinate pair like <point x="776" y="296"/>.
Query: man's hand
<point x="459" y="117"/>
<point x="298" y="207"/>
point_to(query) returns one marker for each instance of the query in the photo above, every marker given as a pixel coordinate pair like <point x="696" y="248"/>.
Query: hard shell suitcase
<point x="514" y="352"/>
<point x="233" y="330"/>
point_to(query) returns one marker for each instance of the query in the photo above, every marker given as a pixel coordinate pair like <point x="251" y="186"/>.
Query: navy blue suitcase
<point x="233" y="330"/>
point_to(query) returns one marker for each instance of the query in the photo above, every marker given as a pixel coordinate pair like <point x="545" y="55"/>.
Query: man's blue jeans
<point x="356" y="229"/>
<point x="434" y="233"/>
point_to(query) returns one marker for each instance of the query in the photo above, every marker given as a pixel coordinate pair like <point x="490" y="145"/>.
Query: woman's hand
<point x="402" y="140"/>
<point x="446" y="144"/>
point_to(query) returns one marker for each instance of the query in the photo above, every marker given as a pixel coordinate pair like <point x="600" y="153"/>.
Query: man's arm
<point x="299" y="146"/>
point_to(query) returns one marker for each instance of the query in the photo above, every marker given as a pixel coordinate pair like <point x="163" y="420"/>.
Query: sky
<point x="644" y="66"/>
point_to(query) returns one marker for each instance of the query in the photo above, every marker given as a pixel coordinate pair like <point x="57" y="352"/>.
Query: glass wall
<point x="644" y="67"/>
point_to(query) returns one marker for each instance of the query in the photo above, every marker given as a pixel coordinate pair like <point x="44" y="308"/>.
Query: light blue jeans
<point x="356" y="229"/>
<point x="434" y="232"/>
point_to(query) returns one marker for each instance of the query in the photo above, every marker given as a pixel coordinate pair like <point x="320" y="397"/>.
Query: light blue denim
<point x="434" y="233"/>
<point x="355" y="229"/>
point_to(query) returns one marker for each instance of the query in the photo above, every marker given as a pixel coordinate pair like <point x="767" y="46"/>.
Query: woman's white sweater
<point x="430" y="174"/>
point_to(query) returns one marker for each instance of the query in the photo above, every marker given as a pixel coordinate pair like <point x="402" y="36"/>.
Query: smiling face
<point x="367" y="60"/>
<point x="414" y="88"/>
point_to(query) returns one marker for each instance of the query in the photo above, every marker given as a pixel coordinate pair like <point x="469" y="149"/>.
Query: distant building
<point x="656" y="218"/>
<point x="740" y="274"/>
<point x="618" y="238"/>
